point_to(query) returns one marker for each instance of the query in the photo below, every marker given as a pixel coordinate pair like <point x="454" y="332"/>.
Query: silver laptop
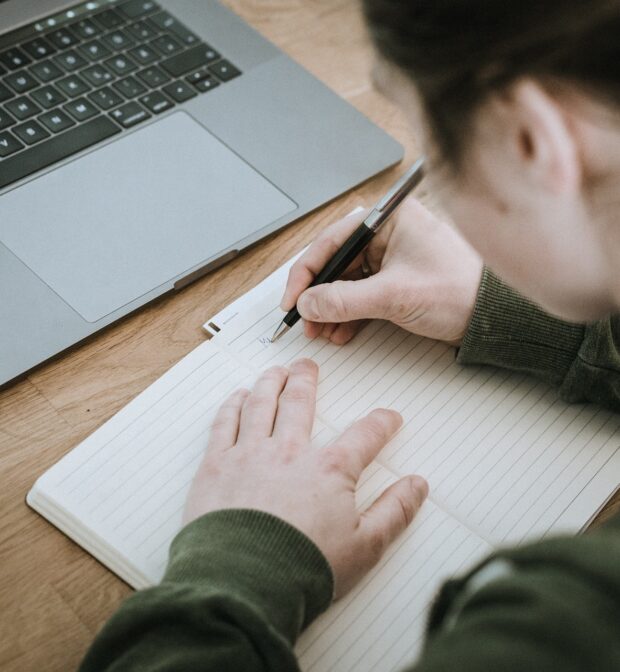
<point x="143" y="144"/>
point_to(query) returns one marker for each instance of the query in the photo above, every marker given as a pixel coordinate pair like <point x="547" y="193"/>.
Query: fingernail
<point x="303" y="365"/>
<point x="421" y="485"/>
<point x="307" y="307"/>
<point x="285" y="304"/>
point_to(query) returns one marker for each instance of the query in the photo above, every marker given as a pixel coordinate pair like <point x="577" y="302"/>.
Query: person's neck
<point x="599" y="136"/>
<point x="604" y="212"/>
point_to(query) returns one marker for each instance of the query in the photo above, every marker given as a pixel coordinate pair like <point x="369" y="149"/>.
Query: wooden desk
<point x="53" y="595"/>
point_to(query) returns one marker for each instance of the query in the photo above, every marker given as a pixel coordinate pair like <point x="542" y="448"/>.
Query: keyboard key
<point x="167" y="45"/>
<point x="14" y="58"/>
<point x="164" y="22"/>
<point x="198" y="76"/>
<point x="141" y="31"/>
<point x="39" y="48"/>
<point x="62" y="38"/>
<point x="85" y="29"/>
<point x="57" y="148"/>
<point x="130" y="114"/>
<point x="190" y="60"/>
<point x="118" y="40"/>
<point x="97" y="75"/>
<point x="5" y="93"/>
<point x="46" y="71"/>
<point x="154" y="77"/>
<point x="73" y="86"/>
<point x="95" y="50"/>
<point x="81" y="109"/>
<point x="144" y="54"/>
<point x="207" y="84"/>
<point x="22" y="108"/>
<point x="105" y="98"/>
<point x="156" y="102"/>
<point x="21" y="81"/>
<point x="224" y="70"/>
<point x="121" y="65"/>
<point x="186" y="37"/>
<point x="9" y="144"/>
<point x="48" y="97"/>
<point x="109" y="19"/>
<point x="31" y="132"/>
<point x="56" y="121"/>
<point x="130" y="87"/>
<point x="70" y="61"/>
<point x="135" y="8"/>
<point x="6" y="120"/>
<point x="180" y="91"/>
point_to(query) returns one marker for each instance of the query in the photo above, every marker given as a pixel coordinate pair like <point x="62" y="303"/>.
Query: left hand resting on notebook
<point x="259" y="457"/>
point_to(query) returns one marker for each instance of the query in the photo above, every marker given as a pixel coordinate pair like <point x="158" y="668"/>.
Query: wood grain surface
<point x="53" y="595"/>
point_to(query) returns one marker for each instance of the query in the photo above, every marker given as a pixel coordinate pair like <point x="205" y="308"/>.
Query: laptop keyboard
<point x="71" y="81"/>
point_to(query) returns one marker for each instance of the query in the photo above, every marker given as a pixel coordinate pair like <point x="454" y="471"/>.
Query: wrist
<point x="258" y="557"/>
<point x="508" y="330"/>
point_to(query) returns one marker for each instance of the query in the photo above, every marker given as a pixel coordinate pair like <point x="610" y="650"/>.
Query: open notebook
<point x="506" y="461"/>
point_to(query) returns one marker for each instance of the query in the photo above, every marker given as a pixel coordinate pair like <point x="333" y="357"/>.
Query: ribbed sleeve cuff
<point x="259" y="559"/>
<point x="511" y="332"/>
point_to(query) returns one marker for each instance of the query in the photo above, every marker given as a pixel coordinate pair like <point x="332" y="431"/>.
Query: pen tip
<point x="280" y="331"/>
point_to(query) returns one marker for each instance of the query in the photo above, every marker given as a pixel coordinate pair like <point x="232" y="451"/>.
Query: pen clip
<point x="406" y="183"/>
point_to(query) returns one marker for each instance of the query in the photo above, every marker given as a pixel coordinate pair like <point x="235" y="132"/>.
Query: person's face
<point x="520" y="200"/>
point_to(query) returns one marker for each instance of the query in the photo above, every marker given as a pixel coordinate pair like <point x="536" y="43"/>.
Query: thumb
<point x="345" y="300"/>
<point x="392" y="512"/>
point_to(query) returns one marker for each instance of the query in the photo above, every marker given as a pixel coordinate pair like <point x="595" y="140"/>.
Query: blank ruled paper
<point x="506" y="461"/>
<point x="127" y="483"/>
<point x="380" y="624"/>
<point x="501" y="452"/>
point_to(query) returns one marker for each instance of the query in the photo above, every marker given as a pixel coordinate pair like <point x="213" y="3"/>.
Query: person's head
<point x="518" y="106"/>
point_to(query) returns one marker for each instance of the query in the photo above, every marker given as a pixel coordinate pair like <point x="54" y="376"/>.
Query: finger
<point x="344" y="332"/>
<point x="297" y="404"/>
<point x="392" y="512"/>
<point x="362" y="441"/>
<point x="316" y="329"/>
<point x="225" y="426"/>
<point x="260" y="407"/>
<point x="307" y="267"/>
<point x="347" y="300"/>
<point x="328" y="330"/>
<point x="312" y="329"/>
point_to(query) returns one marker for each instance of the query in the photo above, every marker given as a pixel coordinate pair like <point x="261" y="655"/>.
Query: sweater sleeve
<point x="511" y="332"/>
<point x="241" y="585"/>
<point x="239" y="588"/>
<point x="552" y="606"/>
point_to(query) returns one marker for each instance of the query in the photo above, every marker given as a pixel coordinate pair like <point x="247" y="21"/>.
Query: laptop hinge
<point x="211" y="266"/>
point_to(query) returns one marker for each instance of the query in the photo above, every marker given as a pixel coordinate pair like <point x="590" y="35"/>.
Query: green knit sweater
<point x="241" y="585"/>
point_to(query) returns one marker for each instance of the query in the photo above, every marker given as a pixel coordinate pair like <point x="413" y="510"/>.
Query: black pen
<point x="360" y="238"/>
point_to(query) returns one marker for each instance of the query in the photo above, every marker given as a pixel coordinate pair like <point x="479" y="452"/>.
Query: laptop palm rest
<point x="129" y="217"/>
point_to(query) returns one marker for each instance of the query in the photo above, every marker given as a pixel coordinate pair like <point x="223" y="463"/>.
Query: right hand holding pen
<point x="423" y="277"/>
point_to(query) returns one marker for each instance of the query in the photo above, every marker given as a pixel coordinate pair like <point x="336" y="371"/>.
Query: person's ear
<point x="541" y="139"/>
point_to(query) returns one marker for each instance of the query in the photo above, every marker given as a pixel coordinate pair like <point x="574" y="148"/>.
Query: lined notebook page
<point x="380" y="624"/>
<point x="500" y="450"/>
<point x="127" y="483"/>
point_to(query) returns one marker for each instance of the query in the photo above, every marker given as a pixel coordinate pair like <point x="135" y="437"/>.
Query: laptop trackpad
<point x="108" y="228"/>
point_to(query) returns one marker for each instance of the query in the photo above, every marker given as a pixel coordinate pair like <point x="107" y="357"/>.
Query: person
<point x="517" y="106"/>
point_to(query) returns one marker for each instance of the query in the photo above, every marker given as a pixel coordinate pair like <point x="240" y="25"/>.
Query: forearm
<point x="509" y="331"/>
<point x="550" y="606"/>
<point x="239" y="588"/>
<point x="241" y="585"/>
